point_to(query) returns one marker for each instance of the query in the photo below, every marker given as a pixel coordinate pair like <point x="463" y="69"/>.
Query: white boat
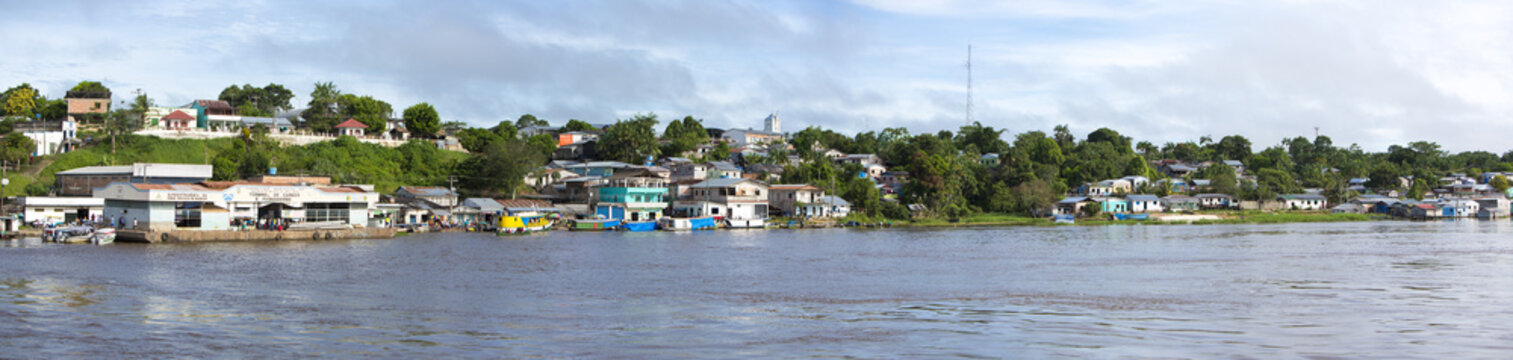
<point x="77" y="234"/>
<point x="103" y="236"/>
<point x="745" y="223"/>
<point x="682" y="224"/>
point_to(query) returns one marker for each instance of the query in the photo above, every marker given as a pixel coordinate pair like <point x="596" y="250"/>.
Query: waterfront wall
<point x="251" y="235"/>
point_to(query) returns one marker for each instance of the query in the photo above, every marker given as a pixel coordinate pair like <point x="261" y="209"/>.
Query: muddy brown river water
<point x="1375" y="289"/>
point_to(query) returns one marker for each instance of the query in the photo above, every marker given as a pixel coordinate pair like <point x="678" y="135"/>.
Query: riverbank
<point x="1201" y="218"/>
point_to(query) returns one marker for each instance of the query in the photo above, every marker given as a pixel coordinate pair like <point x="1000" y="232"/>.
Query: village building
<point x="214" y="205"/>
<point x="1145" y="203"/>
<point x="793" y="199"/>
<point x="57" y="210"/>
<point x="1301" y="201"/>
<point x="50" y="137"/>
<point x="437" y="195"/>
<point x="743" y="137"/>
<point x="1180" y="203"/>
<point x="862" y="159"/>
<point x="83" y="181"/>
<point x="352" y="128"/>
<point x="632" y="196"/>
<point x="736" y="198"/>
<point x="1217" y="201"/>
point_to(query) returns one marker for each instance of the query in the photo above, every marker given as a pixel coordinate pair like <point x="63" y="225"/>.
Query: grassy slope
<point x="386" y="168"/>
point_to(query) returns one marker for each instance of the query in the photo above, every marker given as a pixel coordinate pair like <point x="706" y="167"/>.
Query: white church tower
<point x="773" y="124"/>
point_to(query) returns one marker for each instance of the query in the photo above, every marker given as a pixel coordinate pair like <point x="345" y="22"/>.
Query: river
<point x="1371" y="289"/>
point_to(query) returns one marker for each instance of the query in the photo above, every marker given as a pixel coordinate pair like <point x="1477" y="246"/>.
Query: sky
<point x="1373" y="73"/>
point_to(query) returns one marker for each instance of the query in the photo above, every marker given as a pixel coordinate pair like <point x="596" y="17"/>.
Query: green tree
<point x="263" y="101"/>
<point x="16" y="148"/>
<point x="630" y="140"/>
<point x="324" y="111"/>
<point x="122" y="122"/>
<point x="1106" y="135"/>
<point x="1500" y="183"/>
<point x="500" y="168"/>
<point x="90" y="87"/>
<point x="529" y="120"/>
<point x="372" y="112"/>
<point x="683" y="136"/>
<point x="1233" y="147"/>
<point x="721" y="152"/>
<point x="476" y="140"/>
<point x="422" y="119"/>
<point x="578" y="125"/>
<point x="985" y="138"/>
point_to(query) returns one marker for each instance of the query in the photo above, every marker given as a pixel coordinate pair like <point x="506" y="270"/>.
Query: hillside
<point x="345" y="160"/>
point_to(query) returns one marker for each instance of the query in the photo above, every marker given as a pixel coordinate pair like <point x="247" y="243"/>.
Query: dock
<point x="180" y="236"/>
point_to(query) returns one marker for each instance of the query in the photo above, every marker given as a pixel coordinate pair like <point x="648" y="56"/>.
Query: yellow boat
<point x="525" y="223"/>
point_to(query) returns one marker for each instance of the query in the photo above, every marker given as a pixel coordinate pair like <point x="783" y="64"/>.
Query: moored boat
<point x="1131" y="216"/>
<point x="71" y="235"/>
<point x="103" y="236"/>
<point x="745" y="223"/>
<point x="639" y="225"/>
<point x="678" y="224"/>
<point x="524" y="223"/>
<point x="594" y="224"/>
<point x="1065" y="218"/>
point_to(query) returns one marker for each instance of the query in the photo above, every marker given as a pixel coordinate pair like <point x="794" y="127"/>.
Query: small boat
<point x="71" y="235"/>
<point x="103" y="236"/>
<point x="1131" y="216"/>
<point x="524" y="223"/>
<point x="746" y="223"/>
<point x="639" y="226"/>
<point x="594" y="224"/>
<point x="1065" y="218"/>
<point x="677" y="224"/>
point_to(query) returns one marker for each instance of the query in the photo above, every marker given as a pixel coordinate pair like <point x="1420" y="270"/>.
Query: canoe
<point x="1131" y="216"/>
<point x="595" y="225"/>
<point x="745" y="223"/>
<point x="1065" y="219"/>
<point x="639" y="226"/>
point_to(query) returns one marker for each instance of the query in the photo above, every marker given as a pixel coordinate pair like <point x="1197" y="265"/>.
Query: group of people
<point x="274" y="224"/>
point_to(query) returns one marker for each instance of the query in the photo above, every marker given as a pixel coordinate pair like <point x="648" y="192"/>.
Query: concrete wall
<point x="215" y="220"/>
<point x="357" y="215"/>
<point x="251" y="235"/>
<point x="155" y="216"/>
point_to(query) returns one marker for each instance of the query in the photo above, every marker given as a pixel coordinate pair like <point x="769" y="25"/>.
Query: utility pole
<point x="969" y="84"/>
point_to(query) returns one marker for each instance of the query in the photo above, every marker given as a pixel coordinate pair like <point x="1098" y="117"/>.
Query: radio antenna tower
<point x="969" y="84"/>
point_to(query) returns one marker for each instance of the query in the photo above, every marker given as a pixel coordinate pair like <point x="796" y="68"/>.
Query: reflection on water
<point x="1398" y="289"/>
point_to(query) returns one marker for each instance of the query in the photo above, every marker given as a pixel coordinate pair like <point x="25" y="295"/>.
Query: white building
<point x="55" y="210"/>
<point x="774" y="125"/>
<point x="737" y="198"/>
<point x="1145" y="203"/>
<point x="51" y="139"/>
<point x="1306" y="202"/>
<point x="213" y="205"/>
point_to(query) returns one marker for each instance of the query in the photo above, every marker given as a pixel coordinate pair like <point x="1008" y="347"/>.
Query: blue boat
<point x="1131" y="216"/>
<point x="1064" y="218"/>
<point x="676" y="224"/>
<point x="639" y="226"/>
